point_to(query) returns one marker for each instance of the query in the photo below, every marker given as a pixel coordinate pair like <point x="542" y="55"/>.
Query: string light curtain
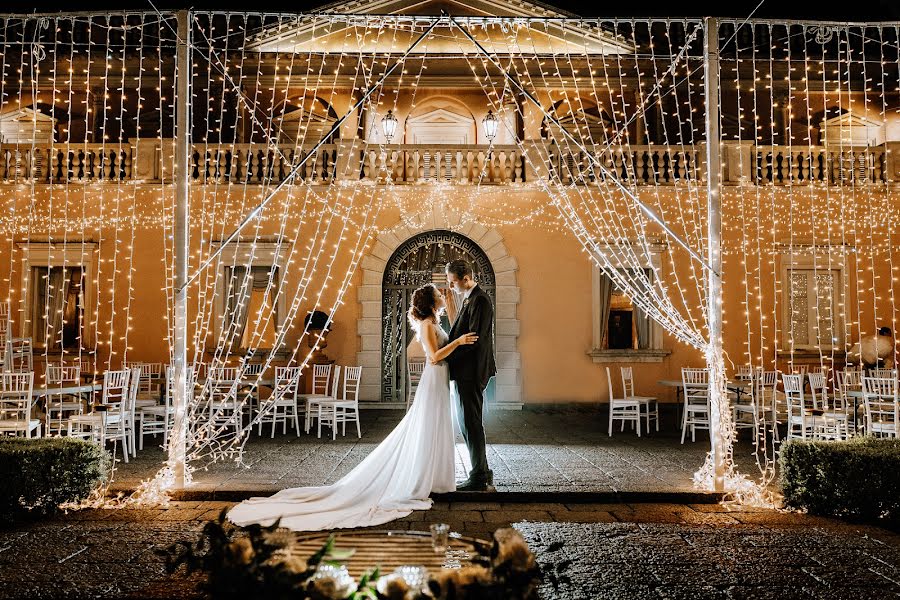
<point x="605" y="118"/>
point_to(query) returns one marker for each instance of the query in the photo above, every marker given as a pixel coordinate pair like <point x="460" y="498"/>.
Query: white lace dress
<point x="414" y="460"/>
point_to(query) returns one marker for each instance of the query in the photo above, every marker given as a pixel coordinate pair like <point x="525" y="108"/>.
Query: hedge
<point x="38" y="475"/>
<point x="858" y="479"/>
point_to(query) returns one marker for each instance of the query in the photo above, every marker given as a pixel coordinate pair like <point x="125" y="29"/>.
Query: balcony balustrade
<point x="149" y="161"/>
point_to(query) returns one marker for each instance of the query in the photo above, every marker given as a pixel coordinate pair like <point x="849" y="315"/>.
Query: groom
<point x="471" y="367"/>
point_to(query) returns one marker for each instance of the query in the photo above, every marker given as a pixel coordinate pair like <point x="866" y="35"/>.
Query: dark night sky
<point x="867" y="10"/>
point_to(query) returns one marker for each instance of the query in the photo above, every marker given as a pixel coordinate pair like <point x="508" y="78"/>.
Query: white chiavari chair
<point x="881" y="405"/>
<point x="20" y="355"/>
<point x="648" y="404"/>
<point x="159" y="418"/>
<point x="313" y="403"/>
<point x="835" y="417"/>
<point x="622" y="409"/>
<point x="223" y="405"/>
<point x="414" y="369"/>
<point x="61" y="406"/>
<point x="282" y="404"/>
<point x="346" y="410"/>
<point x="803" y="414"/>
<point x="849" y="380"/>
<point x="696" y="401"/>
<point x="107" y="422"/>
<point x="17" y="405"/>
<point x="321" y="388"/>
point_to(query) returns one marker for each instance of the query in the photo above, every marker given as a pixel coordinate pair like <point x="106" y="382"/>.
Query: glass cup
<point x="440" y="534"/>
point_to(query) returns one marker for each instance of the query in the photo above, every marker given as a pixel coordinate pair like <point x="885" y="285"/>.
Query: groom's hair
<point x="460" y="268"/>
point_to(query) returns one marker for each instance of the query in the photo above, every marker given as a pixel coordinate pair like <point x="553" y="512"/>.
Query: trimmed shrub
<point x="859" y="479"/>
<point x="38" y="475"/>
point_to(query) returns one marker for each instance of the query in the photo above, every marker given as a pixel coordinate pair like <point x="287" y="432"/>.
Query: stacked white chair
<point x="880" y="397"/>
<point x="414" y="369"/>
<point x="883" y="373"/>
<point x="20" y="355"/>
<point x="62" y="406"/>
<point x="282" y="405"/>
<point x="648" y="404"/>
<point x="86" y="368"/>
<point x="223" y="405"/>
<point x="321" y="406"/>
<point x="339" y="412"/>
<point x="805" y="420"/>
<point x="770" y="400"/>
<point x="159" y="418"/>
<point x="696" y="401"/>
<point x="622" y="409"/>
<point x="108" y="422"/>
<point x="847" y="381"/>
<point x="835" y="416"/>
<point x="322" y="381"/>
<point x="17" y="405"/>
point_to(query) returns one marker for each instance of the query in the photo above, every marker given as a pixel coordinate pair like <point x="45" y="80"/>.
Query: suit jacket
<point x="474" y="362"/>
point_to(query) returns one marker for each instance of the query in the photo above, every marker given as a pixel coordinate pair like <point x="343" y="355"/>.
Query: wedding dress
<point x="414" y="460"/>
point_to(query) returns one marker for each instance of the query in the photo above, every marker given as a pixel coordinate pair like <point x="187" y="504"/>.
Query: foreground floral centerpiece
<point x="263" y="563"/>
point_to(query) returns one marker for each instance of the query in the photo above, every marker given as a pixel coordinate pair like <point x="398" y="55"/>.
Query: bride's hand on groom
<point x="467" y="339"/>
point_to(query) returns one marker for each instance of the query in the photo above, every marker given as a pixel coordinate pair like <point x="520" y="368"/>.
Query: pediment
<point x="850" y="129"/>
<point x="441" y="115"/>
<point x="314" y="31"/>
<point x="26" y="115"/>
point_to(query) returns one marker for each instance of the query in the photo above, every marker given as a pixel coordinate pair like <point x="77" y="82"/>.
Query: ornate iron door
<point x="420" y="260"/>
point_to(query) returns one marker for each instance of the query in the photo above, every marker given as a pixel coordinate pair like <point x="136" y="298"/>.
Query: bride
<point x="416" y="459"/>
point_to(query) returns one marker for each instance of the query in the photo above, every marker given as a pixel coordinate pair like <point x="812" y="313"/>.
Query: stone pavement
<point x="533" y="450"/>
<point x="616" y="551"/>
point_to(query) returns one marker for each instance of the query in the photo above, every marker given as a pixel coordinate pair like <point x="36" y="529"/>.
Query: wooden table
<point x="391" y="549"/>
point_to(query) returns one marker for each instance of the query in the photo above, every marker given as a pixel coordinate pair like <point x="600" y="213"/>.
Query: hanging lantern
<point x="491" y="125"/>
<point x="389" y="125"/>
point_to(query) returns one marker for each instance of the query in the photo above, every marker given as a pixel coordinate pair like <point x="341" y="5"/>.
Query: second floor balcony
<point x="743" y="163"/>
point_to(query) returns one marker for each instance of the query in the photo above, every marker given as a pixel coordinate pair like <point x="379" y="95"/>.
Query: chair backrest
<point x="627" y="381"/>
<point x="847" y="380"/>
<point x="321" y="379"/>
<point x="884" y="373"/>
<point x="115" y="387"/>
<point x="199" y="369"/>
<point x="747" y="371"/>
<point x="352" y="377"/>
<point x="416" y="367"/>
<point x="20" y="355"/>
<point x="63" y="374"/>
<point x="799" y="369"/>
<point x="335" y="382"/>
<point x="223" y="374"/>
<point x="253" y="369"/>
<point x="134" y="387"/>
<point x="287" y="382"/>
<point x="609" y="383"/>
<point x="696" y="385"/>
<point x="794" y="396"/>
<point x="819" y="388"/>
<point x="87" y="366"/>
<point x="881" y="404"/>
<point x="16" y="401"/>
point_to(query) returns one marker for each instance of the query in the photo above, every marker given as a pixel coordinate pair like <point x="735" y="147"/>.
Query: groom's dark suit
<point x="472" y="366"/>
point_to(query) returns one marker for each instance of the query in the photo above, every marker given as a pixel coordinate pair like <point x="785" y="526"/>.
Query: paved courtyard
<point x="610" y="551"/>
<point x="533" y="450"/>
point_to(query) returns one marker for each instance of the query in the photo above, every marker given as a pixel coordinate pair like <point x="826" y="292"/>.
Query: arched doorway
<point x="417" y="261"/>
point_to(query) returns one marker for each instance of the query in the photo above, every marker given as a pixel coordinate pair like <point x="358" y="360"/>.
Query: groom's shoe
<point x="477" y="484"/>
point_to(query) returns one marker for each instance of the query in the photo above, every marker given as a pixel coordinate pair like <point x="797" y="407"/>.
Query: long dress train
<point x="414" y="460"/>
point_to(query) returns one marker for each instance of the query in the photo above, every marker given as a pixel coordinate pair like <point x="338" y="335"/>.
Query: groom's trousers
<point x="471" y="400"/>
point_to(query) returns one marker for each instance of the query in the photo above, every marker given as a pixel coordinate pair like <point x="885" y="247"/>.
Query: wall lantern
<point x="491" y="125"/>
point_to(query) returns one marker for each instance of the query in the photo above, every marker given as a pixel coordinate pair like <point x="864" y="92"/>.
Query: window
<point x="250" y="310"/>
<point x="58" y="282"/>
<point x="250" y="302"/>
<point x="812" y="305"/>
<point x="622" y="331"/>
<point x="57" y="304"/>
<point x="812" y="297"/>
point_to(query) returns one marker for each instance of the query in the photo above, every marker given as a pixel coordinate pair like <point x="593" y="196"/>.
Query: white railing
<point x="149" y="160"/>
<point x="792" y="165"/>
<point x="453" y="164"/>
<point x="640" y="165"/>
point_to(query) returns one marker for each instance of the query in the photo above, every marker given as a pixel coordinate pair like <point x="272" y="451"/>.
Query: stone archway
<point x="508" y="391"/>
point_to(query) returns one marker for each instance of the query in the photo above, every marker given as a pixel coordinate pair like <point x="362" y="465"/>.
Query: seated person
<point x="870" y="349"/>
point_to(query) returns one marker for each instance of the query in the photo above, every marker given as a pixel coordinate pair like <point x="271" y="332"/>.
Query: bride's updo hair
<point x="423" y="303"/>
